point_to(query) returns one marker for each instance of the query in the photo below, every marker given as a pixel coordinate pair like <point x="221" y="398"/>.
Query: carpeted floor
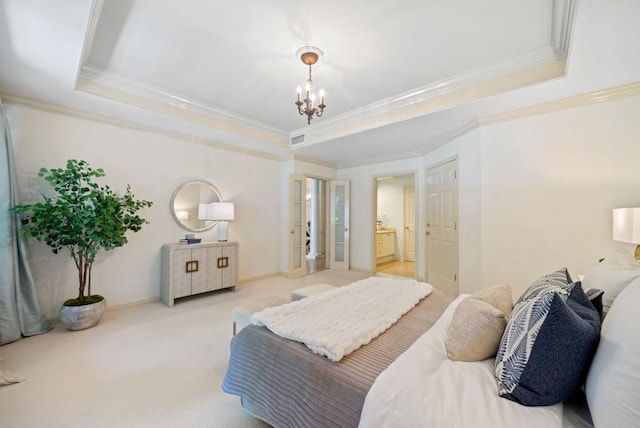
<point x="143" y="366"/>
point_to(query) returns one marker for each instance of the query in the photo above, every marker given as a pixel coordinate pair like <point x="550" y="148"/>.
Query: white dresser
<point x="189" y="269"/>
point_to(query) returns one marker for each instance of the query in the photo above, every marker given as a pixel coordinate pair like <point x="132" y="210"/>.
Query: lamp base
<point x="637" y="253"/>
<point x="223" y="231"/>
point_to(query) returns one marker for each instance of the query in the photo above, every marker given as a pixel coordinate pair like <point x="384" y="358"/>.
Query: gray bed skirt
<point x="286" y="385"/>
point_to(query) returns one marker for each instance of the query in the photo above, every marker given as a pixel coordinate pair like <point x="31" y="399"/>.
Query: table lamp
<point x="220" y="212"/>
<point x="626" y="227"/>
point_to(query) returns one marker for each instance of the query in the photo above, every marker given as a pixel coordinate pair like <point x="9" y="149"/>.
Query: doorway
<point x="326" y="222"/>
<point x="394" y="234"/>
<point x="316" y="225"/>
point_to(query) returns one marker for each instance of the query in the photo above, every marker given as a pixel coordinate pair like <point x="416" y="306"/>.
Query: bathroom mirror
<point x="186" y="200"/>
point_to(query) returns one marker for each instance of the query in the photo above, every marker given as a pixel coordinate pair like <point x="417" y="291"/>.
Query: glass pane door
<point x="340" y="224"/>
<point x="297" y="226"/>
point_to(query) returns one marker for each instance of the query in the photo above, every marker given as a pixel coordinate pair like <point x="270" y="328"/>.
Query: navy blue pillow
<point x="595" y="297"/>
<point x="547" y="347"/>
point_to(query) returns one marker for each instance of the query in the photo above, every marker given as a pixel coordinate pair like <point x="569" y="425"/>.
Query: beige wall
<point x="549" y="183"/>
<point x="154" y="165"/>
<point x="535" y="194"/>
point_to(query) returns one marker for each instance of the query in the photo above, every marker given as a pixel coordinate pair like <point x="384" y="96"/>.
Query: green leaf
<point x="84" y="216"/>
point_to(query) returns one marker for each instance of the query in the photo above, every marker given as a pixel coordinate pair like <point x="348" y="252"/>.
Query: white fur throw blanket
<point x="334" y="323"/>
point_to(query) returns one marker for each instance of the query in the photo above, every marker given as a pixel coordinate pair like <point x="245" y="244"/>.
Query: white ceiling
<point x="400" y="77"/>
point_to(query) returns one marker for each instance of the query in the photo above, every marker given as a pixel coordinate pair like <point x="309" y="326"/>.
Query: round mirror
<point x="186" y="201"/>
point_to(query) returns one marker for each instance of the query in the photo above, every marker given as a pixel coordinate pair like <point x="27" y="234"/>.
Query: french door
<point x="339" y="225"/>
<point x="297" y="227"/>
<point x="338" y="247"/>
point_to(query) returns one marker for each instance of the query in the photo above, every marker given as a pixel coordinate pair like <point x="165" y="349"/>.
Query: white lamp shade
<point x="204" y="212"/>
<point x="222" y="211"/>
<point x="626" y="225"/>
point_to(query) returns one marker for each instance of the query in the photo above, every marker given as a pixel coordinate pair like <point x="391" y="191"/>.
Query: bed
<point x="404" y="378"/>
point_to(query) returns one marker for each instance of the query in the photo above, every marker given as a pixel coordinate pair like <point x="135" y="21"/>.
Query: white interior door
<point x="409" y="223"/>
<point x="339" y="225"/>
<point x="297" y="226"/>
<point x="442" y="227"/>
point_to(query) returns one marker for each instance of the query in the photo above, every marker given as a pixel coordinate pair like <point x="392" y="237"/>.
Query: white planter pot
<point x="81" y="317"/>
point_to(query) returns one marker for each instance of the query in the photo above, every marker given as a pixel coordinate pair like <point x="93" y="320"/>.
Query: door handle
<point x="346" y="229"/>
<point x="291" y="231"/>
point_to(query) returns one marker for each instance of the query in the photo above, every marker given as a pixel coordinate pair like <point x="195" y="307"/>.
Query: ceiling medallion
<point x="309" y="55"/>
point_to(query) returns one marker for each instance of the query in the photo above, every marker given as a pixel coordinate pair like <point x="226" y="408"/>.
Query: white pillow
<point x="612" y="275"/>
<point x="613" y="381"/>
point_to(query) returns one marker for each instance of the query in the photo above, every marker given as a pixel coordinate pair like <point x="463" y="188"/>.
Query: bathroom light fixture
<point x="309" y="55"/>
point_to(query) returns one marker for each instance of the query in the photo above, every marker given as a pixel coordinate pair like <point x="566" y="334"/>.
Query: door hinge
<point x="455" y="174"/>
<point x="455" y="277"/>
<point x="455" y="225"/>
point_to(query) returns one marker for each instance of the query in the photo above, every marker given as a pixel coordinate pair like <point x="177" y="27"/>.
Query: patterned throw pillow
<point x="547" y="346"/>
<point x="558" y="279"/>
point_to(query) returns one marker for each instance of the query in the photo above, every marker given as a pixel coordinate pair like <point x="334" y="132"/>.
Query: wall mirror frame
<point x="185" y="202"/>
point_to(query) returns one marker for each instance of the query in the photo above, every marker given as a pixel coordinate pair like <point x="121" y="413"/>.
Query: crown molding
<point x="447" y="138"/>
<point x="94" y="18"/>
<point x="451" y="136"/>
<point x="298" y="158"/>
<point x="609" y="94"/>
<point x="54" y="108"/>
<point x="555" y="54"/>
<point x="380" y="159"/>
<point x="434" y="90"/>
<point x="443" y="101"/>
<point x="563" y="19"/>
<point x="94" y="80"/>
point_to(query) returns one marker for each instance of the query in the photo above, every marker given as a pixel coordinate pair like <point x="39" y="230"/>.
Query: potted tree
<point x="85" y="218"/>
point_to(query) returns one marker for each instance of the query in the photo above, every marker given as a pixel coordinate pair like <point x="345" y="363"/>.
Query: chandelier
<point x="309" y="56"/>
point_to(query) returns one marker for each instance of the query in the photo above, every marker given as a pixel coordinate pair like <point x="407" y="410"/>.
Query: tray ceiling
<point x="400" y="78"/>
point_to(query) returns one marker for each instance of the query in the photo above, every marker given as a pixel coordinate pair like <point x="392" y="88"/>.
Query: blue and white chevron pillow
<point x="547" y="346"/>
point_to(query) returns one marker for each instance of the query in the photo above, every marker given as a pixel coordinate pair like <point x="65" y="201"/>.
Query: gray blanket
<point x="283" y="383"/>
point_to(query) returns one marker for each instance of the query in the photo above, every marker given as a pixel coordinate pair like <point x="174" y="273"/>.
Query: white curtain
<point x="20" y="313"/>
